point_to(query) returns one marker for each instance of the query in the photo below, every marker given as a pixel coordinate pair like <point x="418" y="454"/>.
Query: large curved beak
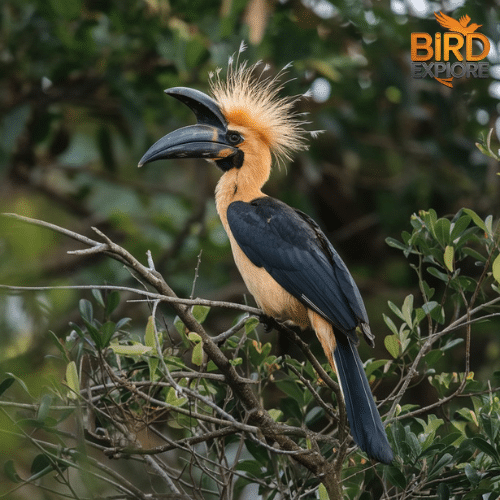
<point x="207" y="139"/>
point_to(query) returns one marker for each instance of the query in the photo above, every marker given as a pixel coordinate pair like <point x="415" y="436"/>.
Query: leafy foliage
<point x="121" y="386"/>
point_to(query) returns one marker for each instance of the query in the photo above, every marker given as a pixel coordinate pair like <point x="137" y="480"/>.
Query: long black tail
<point x="366" y="427"/>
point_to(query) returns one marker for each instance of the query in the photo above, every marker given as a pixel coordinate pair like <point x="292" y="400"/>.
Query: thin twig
<point x="149" y="295"/>
<point x="196" y="274"/>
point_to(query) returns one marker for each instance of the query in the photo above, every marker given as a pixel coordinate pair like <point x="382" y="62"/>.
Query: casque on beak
<point x="207" y="139"/>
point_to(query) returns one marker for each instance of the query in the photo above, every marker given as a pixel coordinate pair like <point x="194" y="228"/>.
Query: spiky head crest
<point x="252" y="100"/>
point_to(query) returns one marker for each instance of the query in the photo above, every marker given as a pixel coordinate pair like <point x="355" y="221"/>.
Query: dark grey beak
<point x="207" y="139"/>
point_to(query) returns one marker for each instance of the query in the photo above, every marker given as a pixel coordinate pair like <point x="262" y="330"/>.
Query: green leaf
<point x="20" y="382"/>
<point x="395" y="243"/>
<point x="172" y="398"/>
<point x="41" y="463"/>
<point x="490" y="425"/>
<point x="276" y="415"/>
<point x="485" y="447"/>
<point x="465" y="282"/>
<point x="475" y="218"/>
<point x="252" y="467"/>
<point x="314" y="415"/>
<point x="112" y="302"/>
<point x="443" y="491"/>
<point x="211" y="366"/>
<point x="495" y="268"/>
<point x="448" y="256"/>
<point x="459" y="226"/>
<point x="474" y="254"/>
<point x="395" y="476"/>
<point x="97" y="294"/>
<point x="6" y="384"/>
<point x="77" y="329"/>
<point x="442" y="462"/>
<point x="150" y="341"/>
<point x="94" y="333"/>
<point x="250" y="325"/>
<point x="60" y="346"/>
<point x="432" y="450"/>
<point x="121" y="323"/>
<point x="291" y="388"/>
<point x="149" y="336"/>
<point x="395" y="309"/>
<point x="393" y="345"/>
<point x="375" y="365"/>
<point x="407" y="310"/>
<point x="466" y="413"/>
<point x="437" y="274"/>
<point x="200" y="313"/>
<point x="413" y="443"/>
<point x="419" y="315"/>
<point x="44" y="408"/>
<point x="483" y="149"/>
<point x="433" y="423"/>
<point x="86" y="311"/>
<point x="72" y="380"/>
<point x="429" y="292"/>
<point x="442" y="231"/>
<point x="130" y="350"/>
<point x="197" y="356"/>
<point x="194" y="337"/>
<point x="153" y="363"/>
<point x="488" y="222"/>
<point x="323" y="494"/>
<point x="107" y="330"/>
<point x="10" y="471"/>
<point x="260" y="453"/>
<point x="472" y="474"/>
<point x="435" y="310"/>
<point x="433" y="356"/>
<point x="452" y="343"/>
<point x="181" y="328"/>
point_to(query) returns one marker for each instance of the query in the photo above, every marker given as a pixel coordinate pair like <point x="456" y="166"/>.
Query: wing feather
<point x="291" y="247"/>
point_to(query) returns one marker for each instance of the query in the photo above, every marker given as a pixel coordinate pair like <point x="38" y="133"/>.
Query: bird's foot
<point x="268" y="322"/>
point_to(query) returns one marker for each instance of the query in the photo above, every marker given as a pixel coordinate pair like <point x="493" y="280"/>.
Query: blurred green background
<point x="81" y="99"/>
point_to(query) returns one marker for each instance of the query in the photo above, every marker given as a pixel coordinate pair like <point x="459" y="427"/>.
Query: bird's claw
<point x="268" y="322"/>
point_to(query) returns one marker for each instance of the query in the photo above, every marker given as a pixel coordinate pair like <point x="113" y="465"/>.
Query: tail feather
<point x="366" y="426"/>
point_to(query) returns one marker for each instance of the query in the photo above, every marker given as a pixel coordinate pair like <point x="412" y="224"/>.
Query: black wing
<point x="291" y="247"/>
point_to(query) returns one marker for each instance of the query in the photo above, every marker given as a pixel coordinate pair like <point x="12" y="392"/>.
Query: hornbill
<point x="285" y="259"/>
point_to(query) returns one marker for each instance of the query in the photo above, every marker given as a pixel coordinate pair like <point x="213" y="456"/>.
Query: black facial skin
<point x="233" y="161"/>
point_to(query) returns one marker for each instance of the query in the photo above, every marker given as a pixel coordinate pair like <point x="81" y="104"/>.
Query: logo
<point x="431" y="57"/>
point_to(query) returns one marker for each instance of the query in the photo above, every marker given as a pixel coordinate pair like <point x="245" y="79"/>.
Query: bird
<point x="459" y="26"/>
<point x="286" y="261"/>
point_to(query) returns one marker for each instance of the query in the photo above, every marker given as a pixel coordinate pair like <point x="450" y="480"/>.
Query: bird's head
<point x="210" y="138"/>
<point x="245" y="120"/>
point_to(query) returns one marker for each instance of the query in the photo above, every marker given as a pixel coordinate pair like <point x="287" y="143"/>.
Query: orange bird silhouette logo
<point x="461" y="34"/>
<point x="459" y="26"/>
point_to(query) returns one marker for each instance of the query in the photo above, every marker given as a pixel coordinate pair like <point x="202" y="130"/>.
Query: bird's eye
<point x="234" y="138"/>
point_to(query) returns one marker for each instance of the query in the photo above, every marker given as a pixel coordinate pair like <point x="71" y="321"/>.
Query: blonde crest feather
<point x="250" y="98"/>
